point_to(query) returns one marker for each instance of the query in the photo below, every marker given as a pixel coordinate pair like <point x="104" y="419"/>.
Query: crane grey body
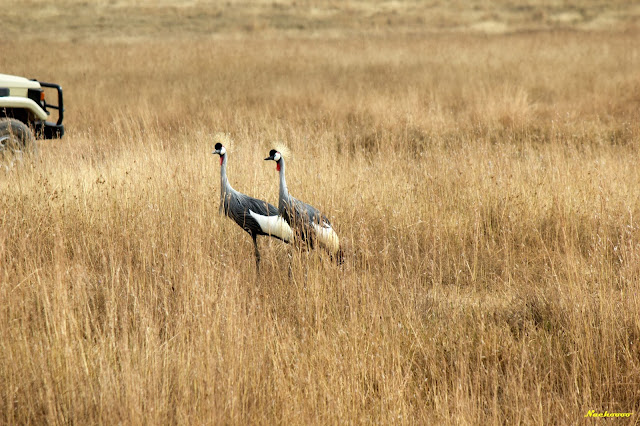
<point x="307" y="221"/>
<point x="255" y="216"/>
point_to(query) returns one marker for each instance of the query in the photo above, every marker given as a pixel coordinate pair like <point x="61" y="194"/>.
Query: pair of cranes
<point x="292" y="221"/>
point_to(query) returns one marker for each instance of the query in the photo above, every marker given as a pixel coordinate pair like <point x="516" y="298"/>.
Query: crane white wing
<point x="274" y="225"/>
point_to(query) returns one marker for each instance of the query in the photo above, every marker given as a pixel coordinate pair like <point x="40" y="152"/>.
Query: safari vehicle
<point x="24" y="112"/>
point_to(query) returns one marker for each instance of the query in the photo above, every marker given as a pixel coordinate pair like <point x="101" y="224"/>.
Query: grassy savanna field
<point x="479" y="161"/>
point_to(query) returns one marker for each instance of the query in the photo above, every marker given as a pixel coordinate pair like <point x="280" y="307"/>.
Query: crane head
<point x="220" y="150"/>
<point x="275" y="156"/>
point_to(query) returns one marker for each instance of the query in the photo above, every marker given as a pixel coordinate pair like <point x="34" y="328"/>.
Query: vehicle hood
<point x="17" y="82"/>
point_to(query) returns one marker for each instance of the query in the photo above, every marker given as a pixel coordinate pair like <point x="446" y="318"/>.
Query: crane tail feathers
<point x="327" y="237"/>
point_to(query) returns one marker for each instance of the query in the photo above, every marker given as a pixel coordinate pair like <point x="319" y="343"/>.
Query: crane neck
<point x="225" y="188"/>
<point x="223" y="172"/>
<point x="283" y="182"/>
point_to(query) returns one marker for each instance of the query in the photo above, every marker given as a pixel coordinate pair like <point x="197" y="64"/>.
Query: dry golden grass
<point x="487" y="188"/>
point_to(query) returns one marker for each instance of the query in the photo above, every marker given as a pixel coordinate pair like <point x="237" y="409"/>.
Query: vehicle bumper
<point x="48" y="130"/>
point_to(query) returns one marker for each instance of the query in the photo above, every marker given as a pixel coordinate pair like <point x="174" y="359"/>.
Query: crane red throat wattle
<point x="221" y="158"/>
<point x="278" y="166"/>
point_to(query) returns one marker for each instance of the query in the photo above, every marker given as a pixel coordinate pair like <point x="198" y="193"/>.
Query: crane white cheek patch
<point x="276" y="158"/>
<point x="327" y="237"/>
<point x="274" y="225"/>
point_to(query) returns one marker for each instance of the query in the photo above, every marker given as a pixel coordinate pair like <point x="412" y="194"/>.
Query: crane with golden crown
<point x="308" y="223"/>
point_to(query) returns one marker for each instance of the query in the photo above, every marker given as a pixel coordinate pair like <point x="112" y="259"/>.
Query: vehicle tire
<point x="16" y="139"/>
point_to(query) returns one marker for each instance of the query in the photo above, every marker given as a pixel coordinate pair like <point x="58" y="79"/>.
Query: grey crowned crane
<point x="255" y="216"/>
<point x="309" y="224"/>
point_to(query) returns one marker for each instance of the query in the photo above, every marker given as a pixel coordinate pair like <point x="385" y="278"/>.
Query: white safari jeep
<point x="24" y="112"/>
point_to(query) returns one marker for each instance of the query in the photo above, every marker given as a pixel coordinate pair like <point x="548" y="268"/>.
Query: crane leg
<point x="255" y="245"/>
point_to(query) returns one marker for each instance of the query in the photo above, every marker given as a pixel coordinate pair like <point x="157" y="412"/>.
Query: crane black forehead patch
<point x="272" y="153"/>
<point x="218" y="146"/>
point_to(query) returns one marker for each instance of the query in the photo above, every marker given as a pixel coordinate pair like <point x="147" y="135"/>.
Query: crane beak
<point x="217" y="151"/>
<point x="268" y="158"/>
